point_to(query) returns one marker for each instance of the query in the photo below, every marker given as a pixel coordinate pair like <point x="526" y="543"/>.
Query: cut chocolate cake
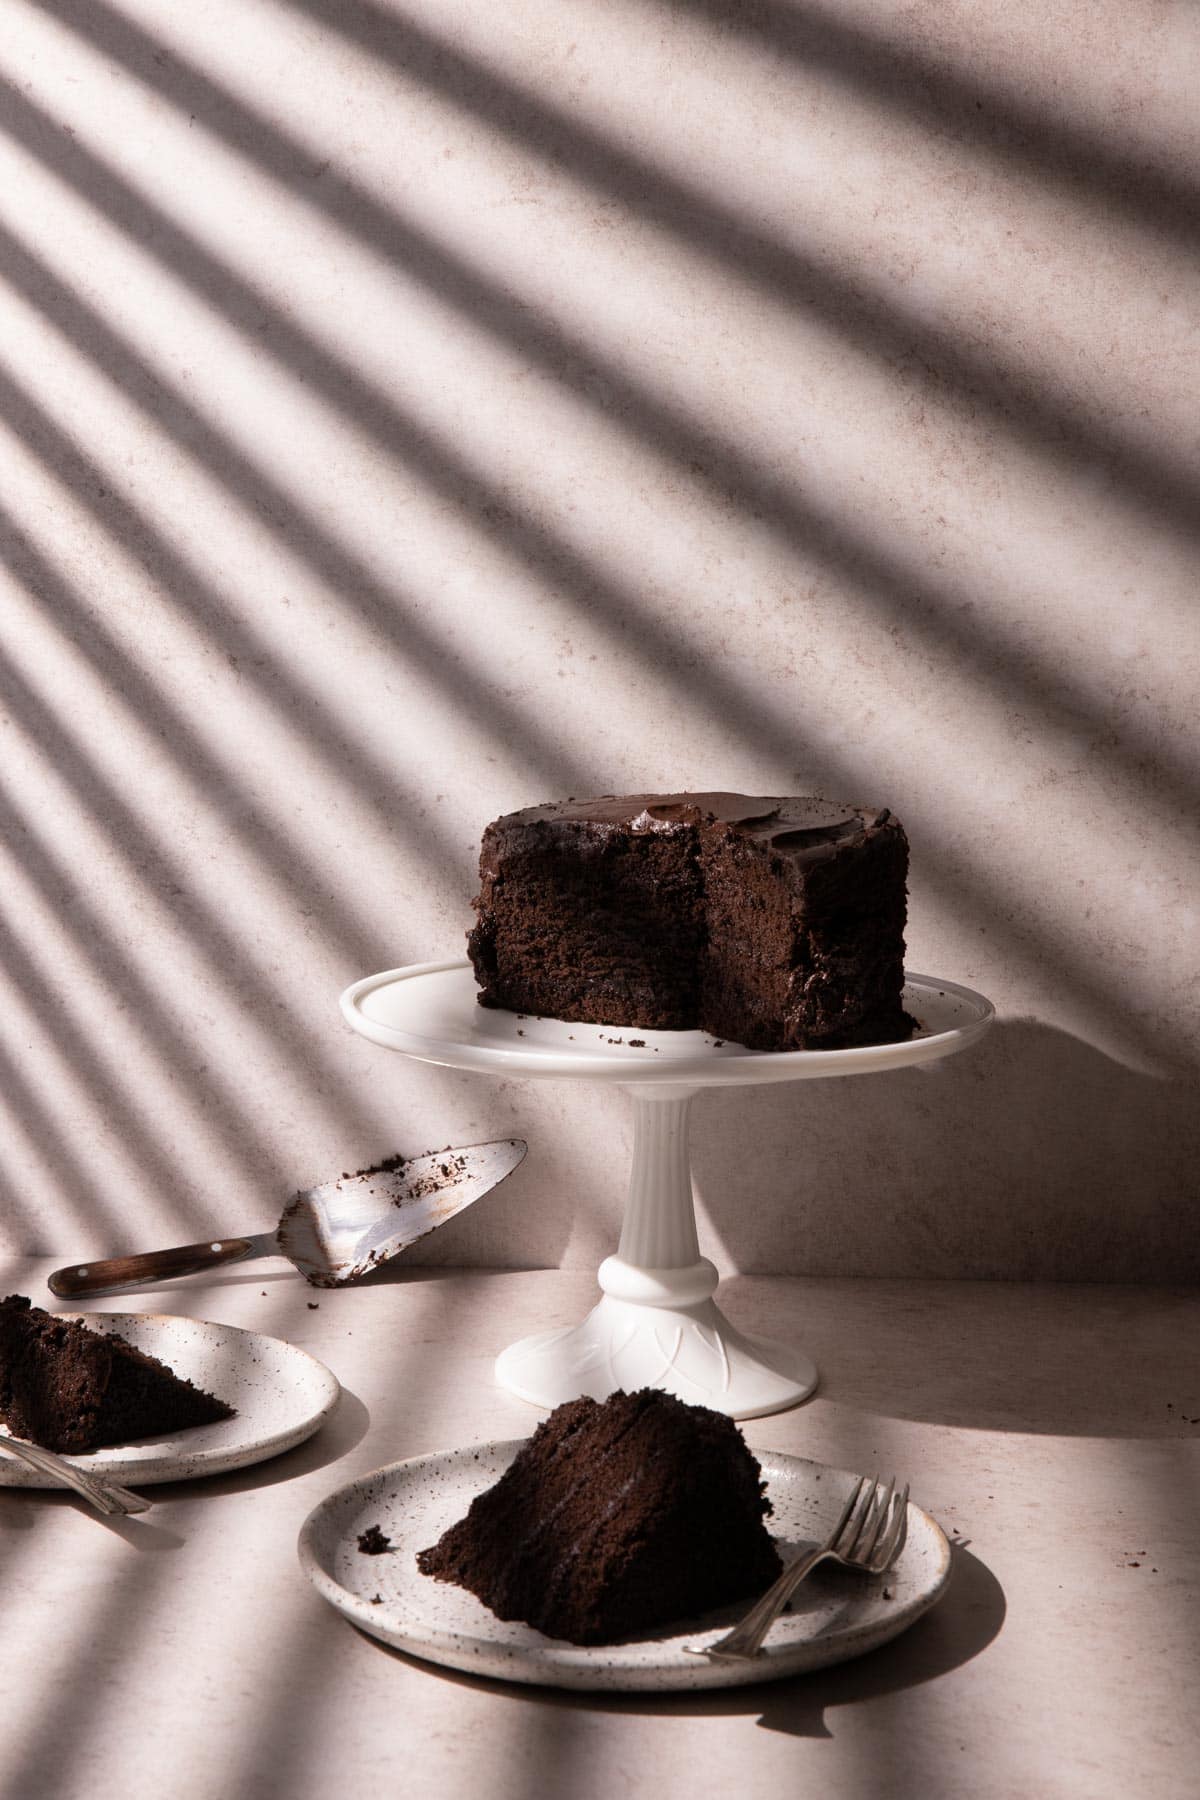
<point x="615" y="1518"/>
<point x="777" y="923"/>
<point x="68" y="1388"/>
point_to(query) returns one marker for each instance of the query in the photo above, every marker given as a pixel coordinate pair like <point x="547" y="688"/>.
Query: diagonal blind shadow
<point x="1022" y="133"/>
<point x="1022" y="401"/>
<point x="887" y="582"/>
<point x="107" y="190"/>
<point x="386" y="609"/>
<point x="617" y="609"/>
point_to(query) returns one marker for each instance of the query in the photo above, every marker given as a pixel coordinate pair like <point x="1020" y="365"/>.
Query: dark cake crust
<point x="775" y="922"/>
<point x="71" y="1389"/>
<point x="615" y="1518"/>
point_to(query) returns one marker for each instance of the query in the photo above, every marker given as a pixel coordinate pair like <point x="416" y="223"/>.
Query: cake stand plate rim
<point x="704" y="1062"/>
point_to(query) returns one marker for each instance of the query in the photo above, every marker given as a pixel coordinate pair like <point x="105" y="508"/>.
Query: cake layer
<point x="615" y="1518"/>
<point x="775" y="922"/>
<point x="71" y="1389"/>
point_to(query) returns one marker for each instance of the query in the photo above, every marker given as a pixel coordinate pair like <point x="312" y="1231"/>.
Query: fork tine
<point x="881" y="1532"/>
<point x="902" y="1535"/>
<point x="862" y="1543"/>
<point x="865" y="1552"/>
<point x="849" y="1540"/>
<point x="849" y="1507"/>
<point x="893" y="1539"/>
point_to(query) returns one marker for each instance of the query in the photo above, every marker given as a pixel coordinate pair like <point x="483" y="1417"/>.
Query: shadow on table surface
<point x="1047" y="1359"/>
<point x="962" y="1625"/>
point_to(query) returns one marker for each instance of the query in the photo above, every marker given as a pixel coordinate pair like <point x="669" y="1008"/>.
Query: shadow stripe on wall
<point x="179" y="251"/>
<point x="888" y="584"/>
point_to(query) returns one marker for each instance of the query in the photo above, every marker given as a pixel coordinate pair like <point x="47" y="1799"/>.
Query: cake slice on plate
<point x="71" y="1389"/>
<point x="615" y="1518"/>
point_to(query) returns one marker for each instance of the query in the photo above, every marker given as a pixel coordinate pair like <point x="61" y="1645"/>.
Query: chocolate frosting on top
<point x="802" y="827"/>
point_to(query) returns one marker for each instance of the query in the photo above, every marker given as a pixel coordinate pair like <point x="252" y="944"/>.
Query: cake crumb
<point x="637" y="1043"/>
<point x="373" y="1542"/>
<point x="388" y="1166"/>
<point x="313" y="1305"/>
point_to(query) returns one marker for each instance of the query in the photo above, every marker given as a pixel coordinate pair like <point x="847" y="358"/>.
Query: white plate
<point x="281" y="1394"/>
<point x="836" y="1614"/>
<point x="431" y="1011"/>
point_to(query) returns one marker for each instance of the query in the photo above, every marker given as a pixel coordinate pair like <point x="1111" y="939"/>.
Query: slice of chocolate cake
<point x="615" y="1518"/>
<point x="777" y="923"/>
<point x="68" y="1388"/>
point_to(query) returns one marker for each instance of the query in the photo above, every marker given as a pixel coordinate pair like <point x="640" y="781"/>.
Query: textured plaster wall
<point x="409" y="411"/>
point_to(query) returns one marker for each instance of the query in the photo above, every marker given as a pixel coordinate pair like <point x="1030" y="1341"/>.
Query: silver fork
<point x="106" y="1496"/>
<point x="868" y="1537"/>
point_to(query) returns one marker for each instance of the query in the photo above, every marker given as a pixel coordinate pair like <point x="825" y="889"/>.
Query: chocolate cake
<point x="777" y="923"/>
<point x="615" y="1518"/>
<point x="68" y="1388"/>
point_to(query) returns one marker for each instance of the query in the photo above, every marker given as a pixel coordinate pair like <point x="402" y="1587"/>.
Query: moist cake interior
<point x="71" y="1389"/>
<point x="617" y="1517"/>
<point x="775" y="923"/>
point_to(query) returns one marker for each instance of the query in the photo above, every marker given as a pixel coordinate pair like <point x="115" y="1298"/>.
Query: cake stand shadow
<point x="657" y="1323"/>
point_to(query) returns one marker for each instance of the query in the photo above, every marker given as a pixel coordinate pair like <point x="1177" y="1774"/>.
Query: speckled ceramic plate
<point x="836" y="1615"/>
<point x="281" y="1395"/>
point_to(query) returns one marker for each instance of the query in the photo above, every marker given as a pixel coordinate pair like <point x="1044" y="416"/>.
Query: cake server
<point x="333" y="1233"/>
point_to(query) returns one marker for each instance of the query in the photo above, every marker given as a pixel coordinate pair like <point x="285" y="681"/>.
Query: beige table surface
<point x="1054" y="1431"/>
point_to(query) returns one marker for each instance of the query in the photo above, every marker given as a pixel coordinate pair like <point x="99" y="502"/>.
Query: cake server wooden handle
<point x="154" y="1265"/>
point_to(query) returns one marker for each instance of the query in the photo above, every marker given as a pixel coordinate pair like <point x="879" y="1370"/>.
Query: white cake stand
<point x="657" y="1324"/>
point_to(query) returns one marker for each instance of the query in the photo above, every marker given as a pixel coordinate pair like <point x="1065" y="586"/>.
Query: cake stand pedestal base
<point x="693" y="1352"/>
<point x="657" y="1324"/>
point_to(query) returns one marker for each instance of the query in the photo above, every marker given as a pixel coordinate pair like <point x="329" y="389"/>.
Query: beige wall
<point x="411" y="411"/>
